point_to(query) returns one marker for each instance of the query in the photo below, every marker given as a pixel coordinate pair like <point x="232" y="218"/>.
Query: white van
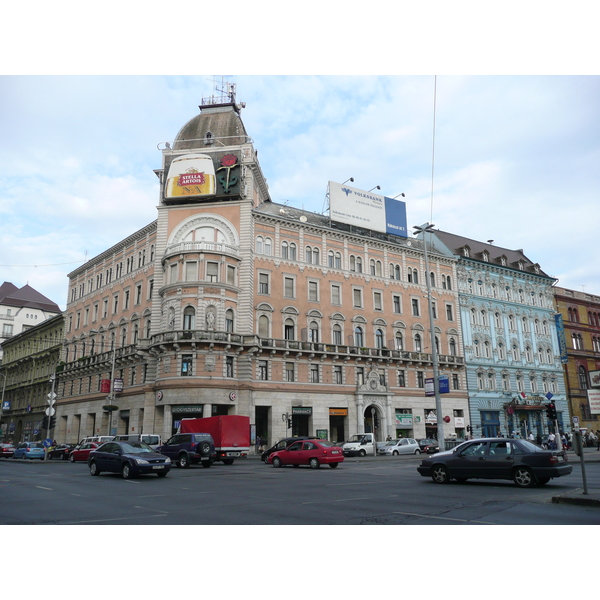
<point x="99" y="439"/>
<point x="152" y="439"/>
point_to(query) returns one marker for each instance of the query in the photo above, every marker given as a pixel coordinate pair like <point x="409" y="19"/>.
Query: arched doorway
<point x="373" y="421"/>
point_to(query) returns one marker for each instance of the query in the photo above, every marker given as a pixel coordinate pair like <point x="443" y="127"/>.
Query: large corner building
<point x="231" y="304"/>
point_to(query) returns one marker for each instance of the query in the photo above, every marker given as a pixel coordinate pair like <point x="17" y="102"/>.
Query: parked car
<point x="61" y="451"/>
<point x="152" y="439"/>
<point x="186" y="449"/>
<point x="401" y="446"/>
<point x="284" y="443"/>
<point x="429" y="446"/>
<point x="6" y="450"/>
<point x="497" y="458"/>
<point x="82" y="451"/>
<point x="30" y="450"/>
<point x="128" y="458"/>
<point x="314" y="453"/>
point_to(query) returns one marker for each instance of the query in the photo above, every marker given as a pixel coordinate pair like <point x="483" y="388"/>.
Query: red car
<point x="313" y="453"/>
<point x="6" y="450"/>
<point x="81" y="453"/>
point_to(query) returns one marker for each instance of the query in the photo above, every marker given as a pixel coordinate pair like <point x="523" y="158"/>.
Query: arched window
<point x="136" y="330"/>
<point x="379" y="339"/>
<point x="359" y="337"/>
<point x="284" y="250"/>
<point x="432" y="279"/>
<point x="229" y="320"/>
<point x="263" y="326"/>
<point x="268" y="246"/>
<point x="338" y="260"/>
<point x="336" y="335"/>
<point x="289" y="329"/>
<point x="359" y="265"/>
<point x="123" y="337"/>
<point x="260" y="244"/>
<point x="313" y="330"/>
<point x="330" y="259"/>
<point x="399" y="341"/>
<point x="418" y="343"/>
<point x="583" y="378"/>
<point x="372" y="267"/>
<point x="452" y="346"/>
<point x="292" y="251"/>
<point x="189" y="318"/>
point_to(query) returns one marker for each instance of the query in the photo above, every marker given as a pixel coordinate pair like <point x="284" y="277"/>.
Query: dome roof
<point x="220" y="123"/>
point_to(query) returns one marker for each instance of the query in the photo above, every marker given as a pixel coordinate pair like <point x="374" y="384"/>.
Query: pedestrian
<point x="531" y="438"/>
<point x="551" y="438"/>
<point x="388" y="438"/>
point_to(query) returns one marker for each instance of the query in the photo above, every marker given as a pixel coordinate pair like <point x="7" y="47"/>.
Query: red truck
<point x="231" y="434"/>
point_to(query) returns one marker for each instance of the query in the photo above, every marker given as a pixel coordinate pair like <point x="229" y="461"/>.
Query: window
<point x="357" y="298"/>
<point x="288" y="287"/>
<point x="229" y="366"/>
<point x="263" y="283"/>
<point x="397" y="304"/>
<point x="415" y="307"/>
<point x="263" y="326"/>
<point x="138" y="293"/>
<point x="115" y="303"/>
<point x="230" y="275"/>
<point x="268" y="246"/>
<point x="379" y="339"/>
<point x="260" y="242"/>
<point x="186" y="365"/>
<point x="449" y="312"/>
<point x="583" y="378"/>
<point x="359" y="337"/>
<point x="418" y="344"/>
<point x="263" y="370"/>
<point x="420" y="379"/>
<point x="189" y="318"/>
<point x="313" y="291"/>
<point x="455" y="384"/>
<point x="377" y="301"/>
<point x="401" y="378"/>
<point x="336" y="294"/>
<point x="289" y="329"/>
<point x="505" y="382"/>
<point x="126" y="307"/>
<point x="452" y="346"/>
<point x="191" y="270"/>
<point x="533" y="384"/>
<point x="399" y="339"/>
<point x="337" y="374"/>
<point x="212" y="271"/>
<point x="289" y="371"/>
<point x="314" y="373"/>
<point x="360" y="375"/>
<point x="229" y="320"/>
<point x="432" y="279"/>
<point x="173" y="273"/>
<point x="336" y="335"/>
<point x="313" y="331"/>
<point x="285" y="250"/>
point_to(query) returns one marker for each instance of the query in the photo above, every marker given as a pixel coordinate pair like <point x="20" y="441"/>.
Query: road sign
<point x="47" y="443"/>
<point x="50" y="411"/>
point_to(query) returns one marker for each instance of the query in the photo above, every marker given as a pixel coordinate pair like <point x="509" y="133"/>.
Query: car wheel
<point x="333" y="465"/>
<point x="314" y="463"/>
<point x="417" y="451"/>
<point x="277" y="462"/>
<point x="162" y="473"/>
<point x="362" y="453"/>
<point x="523" y="477"/>
<point x="205" y="448"/>
<point x="543" y="480"/>
<point x="71" y="458"/>
<point x="183" y="461"/>
<point x="94" y="470"/>
<point x="439" y="474"/>
<point x="127" y="471"/>
<point x="394" y="453"/>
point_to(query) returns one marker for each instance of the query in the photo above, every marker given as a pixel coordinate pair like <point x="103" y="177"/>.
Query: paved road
<point x="372" y="491"/>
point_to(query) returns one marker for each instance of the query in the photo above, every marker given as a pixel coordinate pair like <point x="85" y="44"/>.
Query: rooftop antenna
<point x="223" y="91"/>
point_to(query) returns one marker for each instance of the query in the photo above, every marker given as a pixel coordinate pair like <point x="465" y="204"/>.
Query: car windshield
<point x="136" y="447"/>
<point x="36" y="445"/>
<point x="392" y="443"/>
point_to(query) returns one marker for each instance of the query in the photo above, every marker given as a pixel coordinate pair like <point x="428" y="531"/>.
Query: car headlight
<point x="167" y="460"/>
<point x="141" y="461"/>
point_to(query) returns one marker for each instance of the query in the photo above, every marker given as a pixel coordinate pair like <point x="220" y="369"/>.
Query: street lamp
<point x="2" y="399"/>
<point x="427" y="228"/>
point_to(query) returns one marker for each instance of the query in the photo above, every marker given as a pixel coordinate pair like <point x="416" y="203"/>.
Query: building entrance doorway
<point x="372" y="421"/>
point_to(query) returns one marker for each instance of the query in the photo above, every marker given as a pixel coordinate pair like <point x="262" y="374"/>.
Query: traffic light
<point x="45" y="423"/>
<point x="289" y="423"/>
<point x="52" y="422"/>
<point x="376" y="422"/>
<point x="551" y="411"/>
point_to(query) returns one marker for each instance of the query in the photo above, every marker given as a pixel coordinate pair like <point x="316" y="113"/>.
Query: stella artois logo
<point x="191" y="177"/>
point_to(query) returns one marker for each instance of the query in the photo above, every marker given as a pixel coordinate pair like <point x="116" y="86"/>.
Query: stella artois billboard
<point x="365" y="209"/>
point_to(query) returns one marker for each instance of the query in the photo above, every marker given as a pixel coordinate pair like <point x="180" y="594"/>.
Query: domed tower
<point x="210" y="182"/>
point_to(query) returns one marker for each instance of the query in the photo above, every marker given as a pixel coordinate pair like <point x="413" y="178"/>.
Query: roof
<point x="26" y="297"/>
<point x="456" y="244"/>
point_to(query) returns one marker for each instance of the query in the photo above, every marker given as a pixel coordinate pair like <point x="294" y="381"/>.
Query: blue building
<point x="510" y="340"/>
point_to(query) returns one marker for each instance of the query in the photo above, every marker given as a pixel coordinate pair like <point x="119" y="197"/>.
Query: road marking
<point x="445" y="518"/>
<point x="114" y="519"/>
<point x="43" y="488"/>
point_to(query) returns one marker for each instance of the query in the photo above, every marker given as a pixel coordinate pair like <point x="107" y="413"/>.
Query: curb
<point x="580" y="499"/>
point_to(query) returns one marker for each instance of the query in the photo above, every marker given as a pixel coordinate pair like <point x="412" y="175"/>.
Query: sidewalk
<point x="577" y="497"/>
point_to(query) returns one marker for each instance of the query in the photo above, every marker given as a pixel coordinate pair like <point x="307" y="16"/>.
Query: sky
<point x="509" y="158"/>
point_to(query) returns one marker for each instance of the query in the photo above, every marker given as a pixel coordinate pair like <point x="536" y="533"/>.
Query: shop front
<point x="337" y="421"/>
<point x="301" y="420"/>
<point x="404" y="423"/>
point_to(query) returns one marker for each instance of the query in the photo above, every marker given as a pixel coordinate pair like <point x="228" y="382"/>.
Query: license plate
<point x="335" y="452"/>
<point x="158" y="467"/>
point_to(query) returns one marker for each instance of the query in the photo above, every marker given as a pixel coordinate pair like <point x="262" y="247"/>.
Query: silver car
<point x="401" y="446"/>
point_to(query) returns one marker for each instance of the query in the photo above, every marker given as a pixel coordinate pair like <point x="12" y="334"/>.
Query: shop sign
<point x="430" y="417"/>
<point x="187" y="408"/>
<point x="302" y="410"/>
<point x="404" y="420"/>
<point x="27" y="426"/>
<point x="338" y="412"/>
<point x="117" y="385"/>
<point x="322" y="434"/>
<point x="594" y="378"/>
<point x="459" y="422"/>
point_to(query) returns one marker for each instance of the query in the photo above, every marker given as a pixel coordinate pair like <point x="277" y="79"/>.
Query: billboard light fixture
<point x="375" y="188"/>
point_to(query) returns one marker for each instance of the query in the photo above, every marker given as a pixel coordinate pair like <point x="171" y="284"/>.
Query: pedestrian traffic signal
<point x="551" y="411"/>
<point x="52" y="422"/>
<point x="45" y="423"/>
<point x="289" y="423"/>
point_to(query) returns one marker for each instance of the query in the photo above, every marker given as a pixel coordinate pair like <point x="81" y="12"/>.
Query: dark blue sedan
<point x="128" y="458"/>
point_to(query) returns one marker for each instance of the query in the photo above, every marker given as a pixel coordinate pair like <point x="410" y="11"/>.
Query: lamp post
<point x="2" y="400"/>
<point x="427" y="228"/>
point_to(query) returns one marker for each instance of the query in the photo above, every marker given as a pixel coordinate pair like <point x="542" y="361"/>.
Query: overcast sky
<point x="516" y="159"/>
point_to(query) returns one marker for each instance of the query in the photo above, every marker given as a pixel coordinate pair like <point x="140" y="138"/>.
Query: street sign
<point x="47" y="443"/>
<point x="50" y="411"/>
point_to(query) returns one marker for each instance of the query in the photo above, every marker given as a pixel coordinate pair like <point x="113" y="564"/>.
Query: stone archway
<point x="373" y="412"/>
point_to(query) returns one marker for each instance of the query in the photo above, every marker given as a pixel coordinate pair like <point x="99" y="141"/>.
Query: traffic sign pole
<point x="50" y="410"/>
